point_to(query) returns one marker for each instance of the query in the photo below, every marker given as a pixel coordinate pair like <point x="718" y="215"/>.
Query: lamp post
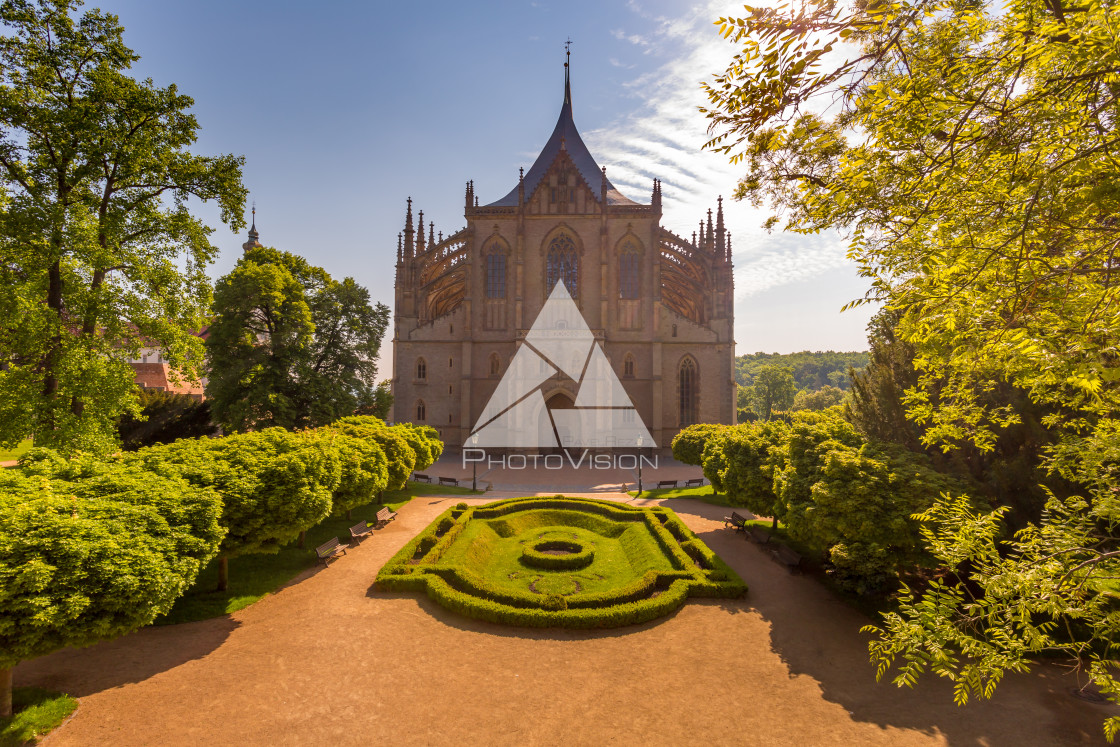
<point x="474" y="466"/>
<point x="639" y="495"/>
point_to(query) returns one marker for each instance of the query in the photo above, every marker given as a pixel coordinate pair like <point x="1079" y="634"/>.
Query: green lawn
<point x="704" y="493"/>
<point x="35" y="713"/>
<point x="251" y="577"/>
<point x="10" y="455"/>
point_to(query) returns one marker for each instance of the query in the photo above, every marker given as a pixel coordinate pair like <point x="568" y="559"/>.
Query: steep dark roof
<point x="566" y="137"/>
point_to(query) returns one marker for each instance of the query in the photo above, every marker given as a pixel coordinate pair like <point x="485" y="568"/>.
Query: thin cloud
<point x="663" y="139"/>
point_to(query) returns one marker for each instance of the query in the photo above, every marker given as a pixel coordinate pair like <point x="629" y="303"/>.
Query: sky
<point x="343" y="109"/>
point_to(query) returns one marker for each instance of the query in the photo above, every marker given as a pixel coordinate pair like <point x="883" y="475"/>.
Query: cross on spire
<point x="568" y="51"/>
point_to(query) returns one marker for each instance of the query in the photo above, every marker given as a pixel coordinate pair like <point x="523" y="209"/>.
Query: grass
<point x="11" y="455"/>
<point x="35" y="713"/>
<point x="704" y="493"/>
<point x="252" y="577"/>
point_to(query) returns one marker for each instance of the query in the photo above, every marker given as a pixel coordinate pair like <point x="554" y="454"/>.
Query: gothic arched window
<point x="495" y="364"/>
<point x="421" y="369"/>
<point x="628" y="366"/>
<point x="496" y="274"/>
<point x="688" y="381"/>
<point x="563" y="264"/>
<point x="421" y="411"/>
<point x="628" y="282"/>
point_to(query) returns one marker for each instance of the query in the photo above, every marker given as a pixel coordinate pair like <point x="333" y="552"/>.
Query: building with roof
<point x="660" y="306"/>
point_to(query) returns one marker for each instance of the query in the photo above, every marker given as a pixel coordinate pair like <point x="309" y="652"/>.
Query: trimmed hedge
<point x="577" y="556"/>
<point x="462" y="588"/>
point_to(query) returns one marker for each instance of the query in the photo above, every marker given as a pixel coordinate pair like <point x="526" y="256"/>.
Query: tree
<point x="968" y="149"/>
<point x="90" y="551"/>
<point x="822" y="399"/>
<point x="688" y="444"/>
<point x="401" y="456"/>
<point x="773" y="390"/>
<point x="290" y="346"/>
<point x="746" y="462"/>
<point x="165" y="417"/>
<point x="274" y="484"/>
<point x="364" y="472"/>
<point x="99" y="253"/>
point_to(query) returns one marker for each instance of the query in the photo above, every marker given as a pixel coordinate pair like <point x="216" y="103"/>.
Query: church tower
<point x="660" y="306"/>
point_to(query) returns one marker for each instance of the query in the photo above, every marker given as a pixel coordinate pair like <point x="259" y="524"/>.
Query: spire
<point x="420" y="235"/>
<point x="721" y="233"/>
<point x="567" y="70"/>
<point x="565" y="137"/>
<point x="432" y="233"/>
<point x="399" y="257"/>
<point x="254" y="237"/>
<point x="408" y="231"/>
<point x="710" y="235"/>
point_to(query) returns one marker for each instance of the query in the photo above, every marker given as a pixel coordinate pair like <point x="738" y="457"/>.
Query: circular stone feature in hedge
<point x="559" y="562"/>
<point x="558" y="555"/>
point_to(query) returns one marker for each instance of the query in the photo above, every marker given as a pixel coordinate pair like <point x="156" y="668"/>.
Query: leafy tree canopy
<point x="90" y="551"/>
<point x="290" y="346"/>
<point x="811" y="371"/>
<point x="969" y="150"/>
<point x="99" y="253"/>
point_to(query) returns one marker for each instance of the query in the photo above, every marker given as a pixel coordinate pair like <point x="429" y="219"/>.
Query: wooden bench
<point x="735" y="520"/>
<point x="758" y="534"/>
<point x="384" y="516"/>
<point x="449" y="481"/>
<point x="666" y="484"/>
<point x="696" y="482"/>
<point x="421" y="478"/>
<point x="359" y="531"/>
<point x="330" y="549"/>
<point x="791" y="559"/>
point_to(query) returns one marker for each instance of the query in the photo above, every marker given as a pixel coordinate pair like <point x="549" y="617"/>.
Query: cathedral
<point x="660" y="306"/>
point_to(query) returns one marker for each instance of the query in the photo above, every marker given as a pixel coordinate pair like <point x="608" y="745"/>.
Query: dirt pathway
<point x="330" y="659"/>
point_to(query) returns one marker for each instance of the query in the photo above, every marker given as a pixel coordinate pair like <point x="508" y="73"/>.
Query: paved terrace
<point x="331" y="659"/>
<point x="582" y="479"/>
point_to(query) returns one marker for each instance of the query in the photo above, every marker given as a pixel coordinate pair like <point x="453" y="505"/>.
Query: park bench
<point x="421" y="478"/>
<point x="735" y="520"/>
<point x="695" y="482"/>
<point x="359" y="531"/>
<point x="449" y="481"/>
<point x="666" y="484"/>
<point x="758" y="534"/>
<point x="384" y="516"/>
<point x="329" y="549"/>
<point x="791" y="559"/>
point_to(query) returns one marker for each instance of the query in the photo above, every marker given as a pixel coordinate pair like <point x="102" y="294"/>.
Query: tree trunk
<point x="5" y="692"/>
<point x="223" y="573"/>
<point x="303" y="540"/>
<point x="774" y="526"/>
<point x="348" y="516"/>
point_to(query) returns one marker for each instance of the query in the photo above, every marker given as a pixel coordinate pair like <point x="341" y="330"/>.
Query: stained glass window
<point x="563" y="263"/>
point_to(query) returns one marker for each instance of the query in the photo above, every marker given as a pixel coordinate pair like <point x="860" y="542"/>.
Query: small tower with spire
<point x="254" y="237"/>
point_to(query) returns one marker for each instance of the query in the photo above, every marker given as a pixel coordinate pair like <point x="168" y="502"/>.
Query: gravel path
<point x="330" y="659"/>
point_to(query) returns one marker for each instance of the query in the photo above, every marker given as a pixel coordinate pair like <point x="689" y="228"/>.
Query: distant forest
<point x="811" y="371"/>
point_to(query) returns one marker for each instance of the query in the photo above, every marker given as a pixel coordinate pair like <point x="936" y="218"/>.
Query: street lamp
<point x="474" y="465"/>
<point x="639" y="495"/>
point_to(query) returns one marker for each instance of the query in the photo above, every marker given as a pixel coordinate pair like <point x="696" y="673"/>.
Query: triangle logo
<point x="559" y="342"/>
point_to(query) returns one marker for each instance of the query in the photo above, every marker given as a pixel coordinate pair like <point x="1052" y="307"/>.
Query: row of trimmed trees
<point x="848" y="499"/>
<point x="93" y="548"/>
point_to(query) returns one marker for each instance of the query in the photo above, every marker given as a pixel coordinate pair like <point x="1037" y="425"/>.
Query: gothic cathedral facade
<point x="660" y="306"/>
